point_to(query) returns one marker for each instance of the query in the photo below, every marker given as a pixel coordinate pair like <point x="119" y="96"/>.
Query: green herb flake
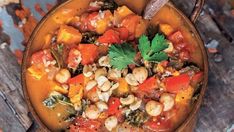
<point x="153" y="51"/>
<point x="121" y="55"/>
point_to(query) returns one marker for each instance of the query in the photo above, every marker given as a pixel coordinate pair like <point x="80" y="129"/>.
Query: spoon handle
<point x="153" y="7"/>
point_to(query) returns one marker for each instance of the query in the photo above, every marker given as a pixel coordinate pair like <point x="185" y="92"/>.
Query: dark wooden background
<point x="216" y="26"/>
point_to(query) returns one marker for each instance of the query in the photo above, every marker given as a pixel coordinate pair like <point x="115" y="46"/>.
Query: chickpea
<point x="62" y="76"/>
<point x="106" y="86"/>
<point x="136" y="104"/>
<point x="101" y="106"/>
<point x="90" y="85"/>
<point x="93" y="95"/>
<point x="100" y="72"/>
<point x="140" y="73"/>
<point x="167" y="100"/>
<point x="153" y="108"/>
<point x="104" y="61"/>
<point x="88" y="71"/>
<point x="114" y="74"/>
<point x="131" y="80"/>
<point x="92" y="112"/>
<point x="111" y="123"/>
<point x="127" y="101"/>
<point x="124" y="72"/>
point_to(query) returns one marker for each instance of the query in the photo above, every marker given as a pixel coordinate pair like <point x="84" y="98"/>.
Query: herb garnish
<point x="121" y="55"/>
<point x="153" y="51"/>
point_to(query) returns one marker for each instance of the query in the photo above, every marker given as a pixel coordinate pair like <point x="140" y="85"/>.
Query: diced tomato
<point x="79" y="79"/>
<point x="148" y="85"/>
<point x="158" y="125"/>
<point x="85" y="125"/>
<point x="197" y="77"/>
<point x="113" y="106"/>
<point x="123" y="33"/>
<point x="177" y="83"/>
<point x="41" y="57"/>
<point x="110" y="36"/>
<point x="89" y="53"/>
<point x="164" y="63"/>
<point x="184" y="55"/>
<point x="74" y="58"/>
<point x="180" y="46"/>
<point x="176" y="37"/>
<point x="86" y="21"/>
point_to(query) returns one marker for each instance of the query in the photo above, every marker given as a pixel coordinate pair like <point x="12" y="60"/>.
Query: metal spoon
<point x="153" y="7"/>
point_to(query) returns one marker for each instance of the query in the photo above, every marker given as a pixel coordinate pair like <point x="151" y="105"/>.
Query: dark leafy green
<point x="109" y="5"/>
<point x="136" y="118"/>
<point x="89" y="37"/>
<point x="60" y="52"/>
<point x="56" y="98"/>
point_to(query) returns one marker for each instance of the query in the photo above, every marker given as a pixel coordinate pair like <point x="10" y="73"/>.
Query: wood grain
<point x="11" y="86"/>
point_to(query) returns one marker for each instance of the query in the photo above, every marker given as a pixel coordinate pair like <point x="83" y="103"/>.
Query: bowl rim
<point x="190" y="117"/>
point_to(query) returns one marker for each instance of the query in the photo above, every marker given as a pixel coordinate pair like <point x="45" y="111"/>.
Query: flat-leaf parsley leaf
<point x="153" y="51"/>
<point x="121" y="55"/>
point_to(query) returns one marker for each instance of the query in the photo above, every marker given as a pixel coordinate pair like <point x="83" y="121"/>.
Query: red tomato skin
<point x="79" y="79"/>
<point x="113" y="106"/>
<point x="85" y="21"/>
<point x="176" y="37"/>
<point x="184" y="55"/>
<point x="110" y="36"/>
<point x="89" y="52"/>
<point x="157" y="126"/>
<point x="41" y="56"/>
<point x="148" y="85"/>
<point x="85" y="125"/>
<point x="197" y="77"/>
<point x="123" y="33"/>
<point x="177" y="83"/>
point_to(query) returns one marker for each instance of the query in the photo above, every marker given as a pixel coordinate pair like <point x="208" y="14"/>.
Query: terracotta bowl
<point x="60" y="13"/>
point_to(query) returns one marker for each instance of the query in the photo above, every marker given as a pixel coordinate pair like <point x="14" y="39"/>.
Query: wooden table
<point x="216" y="26"/>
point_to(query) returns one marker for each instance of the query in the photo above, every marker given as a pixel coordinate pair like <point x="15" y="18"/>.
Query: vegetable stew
<point x="108" y="69"/>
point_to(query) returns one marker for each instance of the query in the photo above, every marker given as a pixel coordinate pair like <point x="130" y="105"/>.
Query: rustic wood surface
<point x="216" y="26"/>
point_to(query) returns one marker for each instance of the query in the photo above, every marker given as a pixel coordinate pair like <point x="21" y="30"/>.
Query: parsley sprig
<point x="153" y="51"/>
<point x="121" y="55"/>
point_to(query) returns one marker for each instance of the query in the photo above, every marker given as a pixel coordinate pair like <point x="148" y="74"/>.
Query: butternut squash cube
<point x="57" y="87"/>
<point x="37" y="71"/>
<point x="68" y="35"/>
<point x="184" y="96"/>
<point x="166" y="29"/>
